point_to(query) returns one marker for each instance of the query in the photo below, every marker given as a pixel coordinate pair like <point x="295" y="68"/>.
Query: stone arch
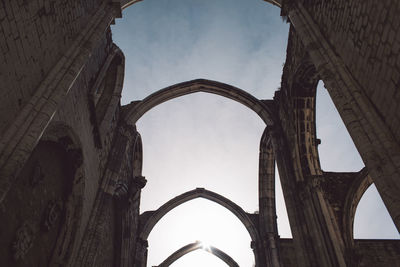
<point x="354" y="194"/>
<point x="154" y="216"/>
<point x="195" y="246"/>
<point x="138" y="108"/>
<point x="127" y="3"/>
<point x="150" y="218"/>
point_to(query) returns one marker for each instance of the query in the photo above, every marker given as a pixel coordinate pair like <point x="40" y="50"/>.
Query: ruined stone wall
<point x="75" y="113"/>
<point x="297" y="107"/>
<point x="294" y="53"/>
<point x="308" y="208"/>
<point x="287" y="253"/>
<point x="366" y="35"/>
<point x="378" y="253"/>
<point x="36" y="208"/>
<point x="34" y="35"/>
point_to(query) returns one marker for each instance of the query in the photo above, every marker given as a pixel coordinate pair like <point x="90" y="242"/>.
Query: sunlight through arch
<point x="210" y="223"/>
<point x="213" y="40"/>
<point x="204" y="257"/>
<point x="198" y="245"/>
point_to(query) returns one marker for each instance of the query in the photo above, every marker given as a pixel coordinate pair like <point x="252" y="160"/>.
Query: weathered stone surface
<point x="71" y="158"/>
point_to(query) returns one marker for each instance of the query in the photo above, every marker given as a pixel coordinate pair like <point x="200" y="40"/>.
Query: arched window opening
<point x="201" y="220"/>
<point x="187" y="145"/>
<point x="372" y="220"/>
<point x="337" y="151"/>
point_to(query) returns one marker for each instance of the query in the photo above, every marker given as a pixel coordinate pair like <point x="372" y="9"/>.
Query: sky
<point x="204" y="140"/>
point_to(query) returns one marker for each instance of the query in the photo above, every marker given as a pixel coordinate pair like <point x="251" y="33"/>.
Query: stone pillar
<point x="267" y="215"/>
<point x="313" y="229"/>
<point x="125" y="197"/>
<point x="141" y="253"/>
<point x="375" y="142"/>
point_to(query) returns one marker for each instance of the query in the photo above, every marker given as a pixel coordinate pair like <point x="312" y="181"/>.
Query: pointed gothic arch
<point x="150" y="218"/>
<point x="137" y="109"/>
<point x="196" y="246"/>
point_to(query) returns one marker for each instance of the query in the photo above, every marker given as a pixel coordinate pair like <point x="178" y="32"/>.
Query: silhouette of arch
<point x="150" y="218"/>
<point x="195" y="246"/>
<point x="127" y="3"/>
<point x="138" y="108"/>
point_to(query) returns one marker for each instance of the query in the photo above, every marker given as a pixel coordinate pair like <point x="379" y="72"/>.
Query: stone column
<point x="267" y="215"/>
<point x="141" y="253"/>
<point x="314" y="236"/>
<point x="126" y="195"/>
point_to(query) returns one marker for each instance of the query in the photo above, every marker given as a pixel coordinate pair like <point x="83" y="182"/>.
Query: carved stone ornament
<point x="52" y="214"/>
<point x="23" y="240"/>
<point x="37" y="176"/>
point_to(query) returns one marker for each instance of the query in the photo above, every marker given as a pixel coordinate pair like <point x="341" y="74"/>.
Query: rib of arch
<point x="137" y="109"/>
<point x="195" y="246"/>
